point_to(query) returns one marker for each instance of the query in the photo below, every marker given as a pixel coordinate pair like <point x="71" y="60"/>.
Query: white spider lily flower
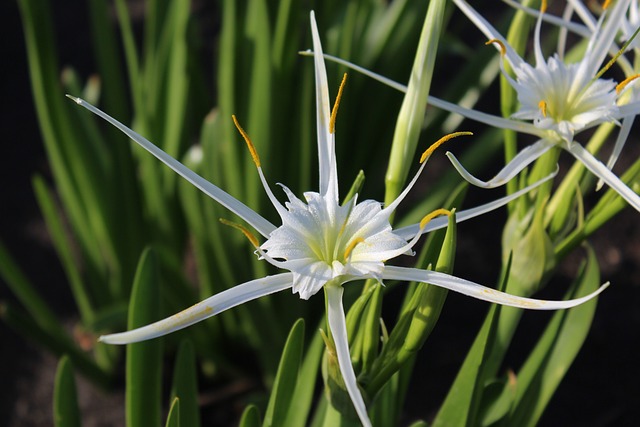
<point x="629" y="29"/>
<point x="560" y="99"/>
<point x="321" y="243"/>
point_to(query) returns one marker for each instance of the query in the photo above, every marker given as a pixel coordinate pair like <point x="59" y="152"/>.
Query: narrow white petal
<point x="489" y="31"/>
<point x="578" y="29"/>
<point x="488" y="119"/>
<point x="441" y="222"/>
<point x="393" y="205"/>
<point x="326" y="149"/>
<point x="514" y="167"/>
<point x="602" y="172"/>
<point x="631" y="109"/>
<point x="204" y="309"/>
<point x="475" y="290"/>
<point x="608" y="33"/>
<point x="623" y="135"/>
<point x="263" y="226"/>
<point x="338" y="327"/>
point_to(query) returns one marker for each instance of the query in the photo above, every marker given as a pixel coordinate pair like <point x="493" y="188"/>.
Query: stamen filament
<point x="625" y="82"/>
<point x="252" y="148"/>
<point x="503" y="48"/>
<point x="336" y="104"/>
<point x="429" y="151"/>
<point x="254" y="241"/>
<point x="438" y="212"/>
<point x="351" y="246"/>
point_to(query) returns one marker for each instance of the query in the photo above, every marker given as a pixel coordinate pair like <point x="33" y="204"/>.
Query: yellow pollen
<point x="351" y="246"/>
<point x="606" y="4"/>
<point x="438" y="212"/>
<point x="429" y="151"/>
<point x="503" y="48"/>
<point x="542" y="105"/>
<point x="252" y="148"/>
<point x="625" y="82"/>
<point x="254" y="241"/>
<point x="543" y="6"/>
<point x="334" y="111"/>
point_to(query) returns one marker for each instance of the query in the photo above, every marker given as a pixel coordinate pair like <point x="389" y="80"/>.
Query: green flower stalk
<point x="322" y="244"/>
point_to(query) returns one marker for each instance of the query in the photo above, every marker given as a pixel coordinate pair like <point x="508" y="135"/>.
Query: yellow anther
<point x="429" y="151"/>
<point x="351" y="246"/>
<point x="334" y="111"/>
<point x="252" y="148"/>
<point x="625" y="82"/>
<point x="438" y="212"/>
<point x="543" y="6"/>
<point x="503" y="48"/>
<point x="606" y="4"/>
<point x="254" y="241"/>
<point x="542" y="105"/>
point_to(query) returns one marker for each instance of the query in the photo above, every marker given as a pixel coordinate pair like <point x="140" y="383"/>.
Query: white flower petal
<point x="204" y="309"/>
<point x="475" y="290"/>
<point x="514" y="167"/>
<point x="326" y="143"/>
<point x="408" y="232"/>
<point x="263" y="226"/>
<point x="335" y="316"/>
<point x="623" y="135"/>
<point x="489" y="31"/>
<point x="602" y="172"/>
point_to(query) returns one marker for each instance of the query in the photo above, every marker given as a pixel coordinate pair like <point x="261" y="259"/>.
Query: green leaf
<point x="282" y="397"/>
<point x="185" y="384"/>
<point x="306" y="384"/>
<point x="144" y="359"/>
<point x="556" y="350"/>
<point x="173" y="418"/>
<point x="65" y="397"/>
<point x="411" y="116"/>
<point x="250" y="417"/>
<point x="462" y="403"/>
<point x="63" y="248"/>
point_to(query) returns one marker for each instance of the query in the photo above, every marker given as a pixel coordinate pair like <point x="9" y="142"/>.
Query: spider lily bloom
<point x="322" y="244"/>
<point x="629" y="29"/>
<point x="559" y="99"/>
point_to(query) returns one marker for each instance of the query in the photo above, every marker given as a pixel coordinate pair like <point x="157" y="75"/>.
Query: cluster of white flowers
<point x="322" y="244"/>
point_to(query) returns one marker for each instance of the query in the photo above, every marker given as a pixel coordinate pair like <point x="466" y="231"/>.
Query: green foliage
<point x="65" y="396"/>
<point x="144" y="359"/>
<point x="109" y="201"/>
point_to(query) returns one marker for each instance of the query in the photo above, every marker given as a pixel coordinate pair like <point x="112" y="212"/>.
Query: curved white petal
<point x="489" y="31"/>
<point x="441" y="222"/>
<point x="631" y="109"/>
<point x="623" y="135"/>
<point x="515" y="166"/>
<point x="488" y="119"/>
<point x="263" y="226"/>
<point x="338" y="326"/>
<point x="326" y="144"/>
<point x="602" y="172"/>
<point x="475" y="290"/>
<point x="204" y="309"/>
